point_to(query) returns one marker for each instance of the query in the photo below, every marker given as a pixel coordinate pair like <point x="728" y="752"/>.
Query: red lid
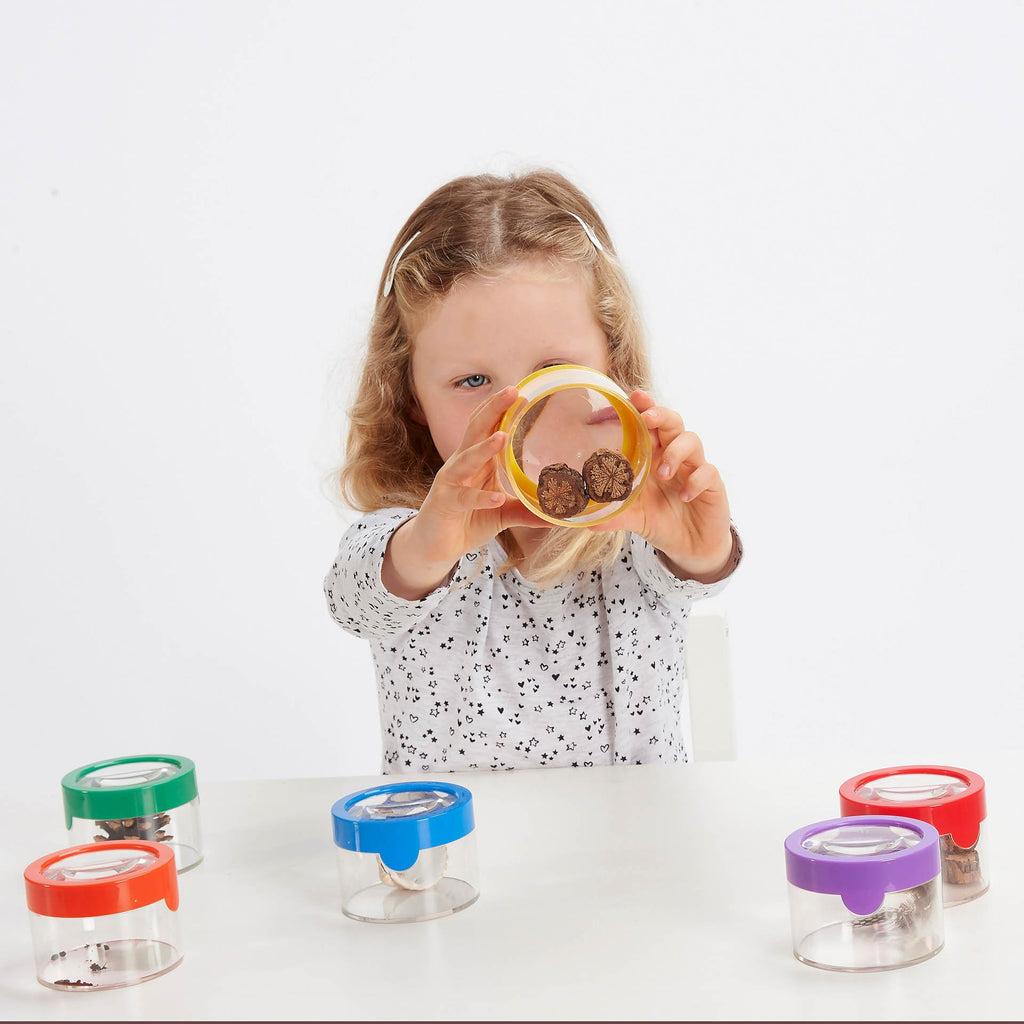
<point x="102" y="878"/>
<point x="951" y="799"/>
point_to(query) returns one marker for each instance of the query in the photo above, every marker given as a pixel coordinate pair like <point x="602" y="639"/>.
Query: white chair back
<point x="709" y="678"/>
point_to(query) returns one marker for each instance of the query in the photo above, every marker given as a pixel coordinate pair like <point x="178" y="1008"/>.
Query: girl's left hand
<point x="682" y="510"/>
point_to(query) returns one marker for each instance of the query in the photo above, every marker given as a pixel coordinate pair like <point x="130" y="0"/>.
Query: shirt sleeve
<point x="356" y="596"/>
<point x="655" y="575"/>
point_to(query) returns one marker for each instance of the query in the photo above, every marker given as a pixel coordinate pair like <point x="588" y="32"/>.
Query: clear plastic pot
<point x="578" y="452"/>
<point x="951" y="799"/>
<point x="152" y="797"/>
<point x="406" y="852"/>
<point x="865" y="893"/>
<point x="104" y="916"/>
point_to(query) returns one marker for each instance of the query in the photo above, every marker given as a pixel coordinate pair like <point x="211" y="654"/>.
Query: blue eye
<point x="477" y="380"/>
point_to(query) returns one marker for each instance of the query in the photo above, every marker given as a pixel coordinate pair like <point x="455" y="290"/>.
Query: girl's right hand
<point x="464" y="509"/>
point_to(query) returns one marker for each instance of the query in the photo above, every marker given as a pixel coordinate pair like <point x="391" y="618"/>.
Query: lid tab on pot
<point x="951" y="799"/>
<point x="396" y="821"/>
<point x="861" y="858"/>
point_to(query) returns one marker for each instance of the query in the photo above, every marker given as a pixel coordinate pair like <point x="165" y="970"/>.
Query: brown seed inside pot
<point x="561" y="492"/>
<point x="959" y="867"/>
<point x="608" y="475"/>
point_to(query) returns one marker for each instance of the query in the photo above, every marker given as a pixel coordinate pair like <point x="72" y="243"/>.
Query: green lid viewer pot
<point x="128" y="787"/>
<point x="146" y="796"/>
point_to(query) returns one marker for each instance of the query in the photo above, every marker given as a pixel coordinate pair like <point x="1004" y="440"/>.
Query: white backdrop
<point x="819" y="203"/>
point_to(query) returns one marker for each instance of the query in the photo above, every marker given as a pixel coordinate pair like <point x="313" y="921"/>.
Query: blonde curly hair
<point x="479" y="225"/>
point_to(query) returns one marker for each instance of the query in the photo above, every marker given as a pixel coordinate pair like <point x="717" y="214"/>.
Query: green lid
<point x="128" y="787"/>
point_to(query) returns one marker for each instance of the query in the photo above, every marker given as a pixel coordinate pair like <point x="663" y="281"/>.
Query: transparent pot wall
<point x="442" y="881"/>
<point x="963" y="870"/>
<point x="76" y="954"/>
<point x="178" y="827"/>
<point x="905" y="929"/>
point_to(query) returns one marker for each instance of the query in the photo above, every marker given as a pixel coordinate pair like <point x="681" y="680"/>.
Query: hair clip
<point x="589" y="230"/>
<point x="390" y="279"/>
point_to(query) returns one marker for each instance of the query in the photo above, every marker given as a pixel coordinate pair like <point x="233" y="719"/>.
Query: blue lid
<point x="398" y="820"/>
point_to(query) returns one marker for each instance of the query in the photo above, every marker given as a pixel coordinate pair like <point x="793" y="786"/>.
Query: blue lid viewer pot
<point x="406" y="851"/>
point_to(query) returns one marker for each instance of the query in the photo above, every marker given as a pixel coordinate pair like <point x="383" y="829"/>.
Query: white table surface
<point x="606" y="894"/>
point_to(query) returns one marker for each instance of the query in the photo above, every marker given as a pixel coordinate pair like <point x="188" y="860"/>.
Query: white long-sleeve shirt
<point x="489" y="671"/>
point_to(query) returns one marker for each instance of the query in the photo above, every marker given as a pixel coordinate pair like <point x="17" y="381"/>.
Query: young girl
<point x="500" y="641"/>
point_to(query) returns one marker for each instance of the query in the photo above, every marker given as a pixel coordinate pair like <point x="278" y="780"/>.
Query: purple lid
<point x="863" y="857"/>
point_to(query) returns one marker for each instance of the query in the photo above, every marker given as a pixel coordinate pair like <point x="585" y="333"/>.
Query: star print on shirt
<point x="515" y="641"/>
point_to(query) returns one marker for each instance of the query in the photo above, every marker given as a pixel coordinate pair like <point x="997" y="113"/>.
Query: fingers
<point x="467" y="482"/>
<point x="480" y="443"/>
<point x="486" y="415"/>
<point x="663" y="424"/>
<point x="642" y="400"/>
<point x="683" y="451"/>
<point x="665" y="421"/>
<point x="685" y="468"/>
<point x="463" y="469"/>
<point x="474" y="499"/>
<point x="679" y="453"/>
<point x="675" y="447"/>
<point x="702" y="480"/>
<point x="515" y="513"/>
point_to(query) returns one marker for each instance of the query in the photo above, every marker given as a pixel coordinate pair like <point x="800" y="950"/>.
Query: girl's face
<point x="489" y="333"/>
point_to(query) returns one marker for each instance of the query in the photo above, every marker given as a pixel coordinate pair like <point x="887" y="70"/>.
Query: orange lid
<point x="102" y="878"/>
